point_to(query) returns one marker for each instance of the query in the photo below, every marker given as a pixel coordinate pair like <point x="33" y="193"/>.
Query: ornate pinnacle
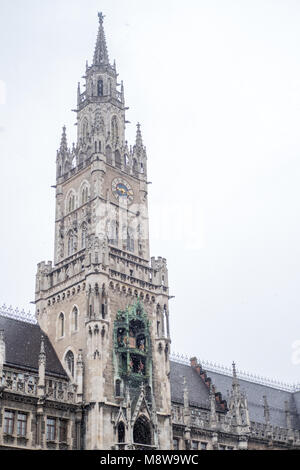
<point x="42" y="355"/>
<point x="101" y="54"/>
<point x="234" y="370"/>
<point x="139" y="140"/>
<point x="64" y="143"/>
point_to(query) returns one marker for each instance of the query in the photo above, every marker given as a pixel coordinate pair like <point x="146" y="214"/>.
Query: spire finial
<point x="101" y="54"/>
<point x="101" y="17"/>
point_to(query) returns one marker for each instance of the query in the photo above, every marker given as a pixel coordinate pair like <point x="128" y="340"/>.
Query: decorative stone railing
<point x="60" y="391"/>
<point x="275" y="433"/>
<point x="27" y="384"/>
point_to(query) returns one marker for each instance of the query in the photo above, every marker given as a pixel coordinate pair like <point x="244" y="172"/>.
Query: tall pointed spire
<point x="139" y="140"/>
<point x="64" y="143"/>
<point x="101" y="54"/>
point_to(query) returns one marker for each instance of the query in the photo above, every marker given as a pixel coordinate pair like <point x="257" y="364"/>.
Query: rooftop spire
<point x="139" y="140"/>
<point x="64" y="143"/>
<point x="101" y="54"/>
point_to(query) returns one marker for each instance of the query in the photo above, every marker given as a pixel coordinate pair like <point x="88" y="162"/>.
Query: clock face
<point x="122" y="190"/>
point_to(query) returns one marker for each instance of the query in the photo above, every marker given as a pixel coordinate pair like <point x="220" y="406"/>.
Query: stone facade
<point x="105" y="380"/>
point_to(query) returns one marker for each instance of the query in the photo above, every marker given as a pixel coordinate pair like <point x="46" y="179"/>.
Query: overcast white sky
<point x="216" y="87"/>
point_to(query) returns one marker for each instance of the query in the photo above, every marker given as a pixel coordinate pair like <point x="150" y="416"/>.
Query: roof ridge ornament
<point x="17" y="314"/>
<point x="242" y="375"/>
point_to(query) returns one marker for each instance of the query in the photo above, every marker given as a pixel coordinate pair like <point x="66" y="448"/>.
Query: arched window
<point x="70" y="362"/>
<point x="70" y="244"/>
<point x="85" y="195"/>
<point x="118" y="159"/>
<point x="108" y="154"/>
<point x="114" y="233"/>
<point x="130" y="240"/>
<point x="84" y="129"/>
<point x="118" y="388"/>
<point x="135" y="166"/>
<point x="142" y="431"/>
<point x="126" y="160"/>
<point x="61" y="325"/>
<point x="75" y="319"/>
<point x="83" y="236"/>
<point x="121" y="433"/>
<point x="100" y="88"/>
<point x="114" y="130"/>
<point x="71" y="203"/>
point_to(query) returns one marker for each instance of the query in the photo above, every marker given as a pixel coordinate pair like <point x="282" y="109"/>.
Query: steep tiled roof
<point x="198" y="393"/>
<point x="23" y="341"/>
<point x="255" y="392"/>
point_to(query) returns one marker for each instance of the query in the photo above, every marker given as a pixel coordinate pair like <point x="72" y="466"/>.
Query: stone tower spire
<point x="63" y="143"/>
<point x="101" y="54"/>
<point x="139" y="140"/>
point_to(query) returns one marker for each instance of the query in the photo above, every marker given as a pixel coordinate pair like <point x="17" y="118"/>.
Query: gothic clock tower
<point x="104" y="302"/>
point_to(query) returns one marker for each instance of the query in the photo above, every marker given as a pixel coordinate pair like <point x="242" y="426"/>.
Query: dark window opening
<point x="142" y="431"/>
<point x="121" y="433"/>
<point x="137" y="364"/>
<point x="70" y="362"/>
<point x="63" y="430"/>
<point x="118" y="388"/>
<point x="100" y="88"/>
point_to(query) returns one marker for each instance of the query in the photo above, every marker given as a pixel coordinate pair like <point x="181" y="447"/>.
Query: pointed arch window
<point x="118" y="388"/>
<point x="83" y="236"/>
<point x="135" y="166"/>
<point x="75" y="319"/>
<point x="71" y="203"/>
<point x="108" y="154"/>
<point x="85" y="129"/>
<point x="130" y="240"/>
<point x="114" y="233"/>
<point x="142" y="431"/>
<point x="70" y="362"/>
<point x="85" y="195"/>
<point x="61" y="325"/>
<point x="114" y="130"/>
<point x="121" y="433"/>
<point x="100" y="88"/>
<point x="70" y="243"/>
<point x="118" y="159"/>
